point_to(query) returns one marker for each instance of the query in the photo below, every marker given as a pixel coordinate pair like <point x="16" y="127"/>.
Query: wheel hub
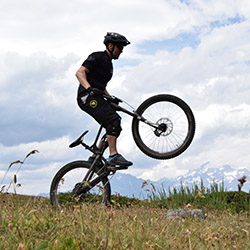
<point x="165" y="127"/>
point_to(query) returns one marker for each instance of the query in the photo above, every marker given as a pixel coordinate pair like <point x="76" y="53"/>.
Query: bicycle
<point x="163" y="127"/>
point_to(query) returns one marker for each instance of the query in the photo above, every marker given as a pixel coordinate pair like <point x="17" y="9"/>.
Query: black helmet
<point x="115" y="38"/>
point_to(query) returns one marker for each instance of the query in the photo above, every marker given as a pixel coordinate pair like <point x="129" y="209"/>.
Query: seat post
<point x="98" y="135"/>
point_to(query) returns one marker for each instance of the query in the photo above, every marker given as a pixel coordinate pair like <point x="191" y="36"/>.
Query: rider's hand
<point x="94" y="91"/>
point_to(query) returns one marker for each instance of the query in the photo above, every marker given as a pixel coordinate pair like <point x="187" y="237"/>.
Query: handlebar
<point x="112" y="99"/>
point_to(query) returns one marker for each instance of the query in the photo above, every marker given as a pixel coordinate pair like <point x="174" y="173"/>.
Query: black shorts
<point x="98" y="108"/>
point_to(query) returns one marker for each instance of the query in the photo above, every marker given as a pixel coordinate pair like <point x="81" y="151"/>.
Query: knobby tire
<point x="63" y="184"/>
<point x="175" y="115"/>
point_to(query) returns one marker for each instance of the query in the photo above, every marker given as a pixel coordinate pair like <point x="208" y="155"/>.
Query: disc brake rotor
<point x="165" y="127"/>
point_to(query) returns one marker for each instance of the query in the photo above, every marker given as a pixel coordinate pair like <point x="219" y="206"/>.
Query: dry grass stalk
<point x="15" y="175"/>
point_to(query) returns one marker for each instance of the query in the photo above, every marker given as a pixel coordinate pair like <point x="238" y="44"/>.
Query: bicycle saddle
<point x="78" y="141"/>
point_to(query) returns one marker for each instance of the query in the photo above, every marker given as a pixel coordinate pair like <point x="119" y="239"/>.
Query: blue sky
<point x="197" y="50"/>
<point x="172" y="45"/>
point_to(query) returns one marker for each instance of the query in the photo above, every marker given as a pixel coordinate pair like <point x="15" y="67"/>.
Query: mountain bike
<point x="163" y="127"/>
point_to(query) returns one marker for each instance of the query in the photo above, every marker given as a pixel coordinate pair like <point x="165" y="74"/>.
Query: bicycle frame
<point x="104" y="171"/>
<point x="135" y="115"/>
<point x="107" y="168"/>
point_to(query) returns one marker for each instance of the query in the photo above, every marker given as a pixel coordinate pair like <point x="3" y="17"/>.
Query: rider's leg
<point x="113" y="131"/>
<point x="112" y="144"/>
<point x="100" y="145"/>
<point x="114" y="157"/>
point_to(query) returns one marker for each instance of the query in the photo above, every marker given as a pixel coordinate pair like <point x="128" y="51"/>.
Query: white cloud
<point x="60" y="26"/>
<point x="34" y="89"/>
<point x="43" y="43"/>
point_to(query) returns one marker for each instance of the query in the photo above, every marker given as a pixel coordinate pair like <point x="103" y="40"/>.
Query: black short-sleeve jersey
<point x="100" y="70"/>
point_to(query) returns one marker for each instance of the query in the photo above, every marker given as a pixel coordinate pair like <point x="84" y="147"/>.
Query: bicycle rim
<point x="61" y="194"/>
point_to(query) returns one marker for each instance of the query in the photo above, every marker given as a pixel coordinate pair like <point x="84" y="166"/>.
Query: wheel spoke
<point x="174" y="119"/>
<point x="66" y="179"/>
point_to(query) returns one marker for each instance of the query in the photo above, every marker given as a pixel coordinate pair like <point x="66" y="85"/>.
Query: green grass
<point x="28" y="222"/>
<point x="31" y="223"/>
<point x="214" y="197"/>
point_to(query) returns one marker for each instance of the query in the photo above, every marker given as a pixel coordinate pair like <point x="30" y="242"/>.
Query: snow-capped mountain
<point x="128" y="185"/>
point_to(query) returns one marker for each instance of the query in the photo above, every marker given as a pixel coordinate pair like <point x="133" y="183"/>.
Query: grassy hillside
<point x="31" y="223"/>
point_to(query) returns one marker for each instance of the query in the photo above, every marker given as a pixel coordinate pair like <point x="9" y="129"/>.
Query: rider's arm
<point x="106" y="92"/>
<point x="81" y="75"/>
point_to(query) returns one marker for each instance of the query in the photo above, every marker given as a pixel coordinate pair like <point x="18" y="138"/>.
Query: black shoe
<point x="91" y="159"/>
<point x="119" y="160"/>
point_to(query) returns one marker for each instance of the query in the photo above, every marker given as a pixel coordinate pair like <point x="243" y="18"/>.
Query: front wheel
<point x="166" y="129"/>
<point x="72" y="174"/>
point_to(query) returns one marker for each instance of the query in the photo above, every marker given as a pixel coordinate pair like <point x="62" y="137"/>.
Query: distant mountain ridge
<point x="131" y="186"/>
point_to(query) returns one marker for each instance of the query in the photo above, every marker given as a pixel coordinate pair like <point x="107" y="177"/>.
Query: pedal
<point x="115" y="167"/>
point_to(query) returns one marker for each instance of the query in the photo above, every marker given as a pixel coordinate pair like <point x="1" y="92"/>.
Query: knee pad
<point x="114" y="128"/>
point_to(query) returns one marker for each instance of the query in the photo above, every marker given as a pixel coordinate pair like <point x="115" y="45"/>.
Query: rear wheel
<point x="175" y="127"/>
<point x="71" y="175"/>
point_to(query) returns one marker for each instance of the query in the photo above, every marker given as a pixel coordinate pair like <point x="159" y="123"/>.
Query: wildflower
<point x="153" y="187"/>
<point x="20" y="247"/>
<point x="186" y="233"/>
<point x="188" y="206"/>
<point x="199" y="194"/>
<point x="144" y="184"/>
<point x="242" y="180"/>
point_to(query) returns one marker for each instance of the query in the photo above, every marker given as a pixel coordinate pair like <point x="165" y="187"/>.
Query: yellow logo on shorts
<point x="93" y="104"/>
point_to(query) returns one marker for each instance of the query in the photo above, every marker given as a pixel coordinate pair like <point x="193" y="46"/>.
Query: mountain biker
<point x="93" y="76"/>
